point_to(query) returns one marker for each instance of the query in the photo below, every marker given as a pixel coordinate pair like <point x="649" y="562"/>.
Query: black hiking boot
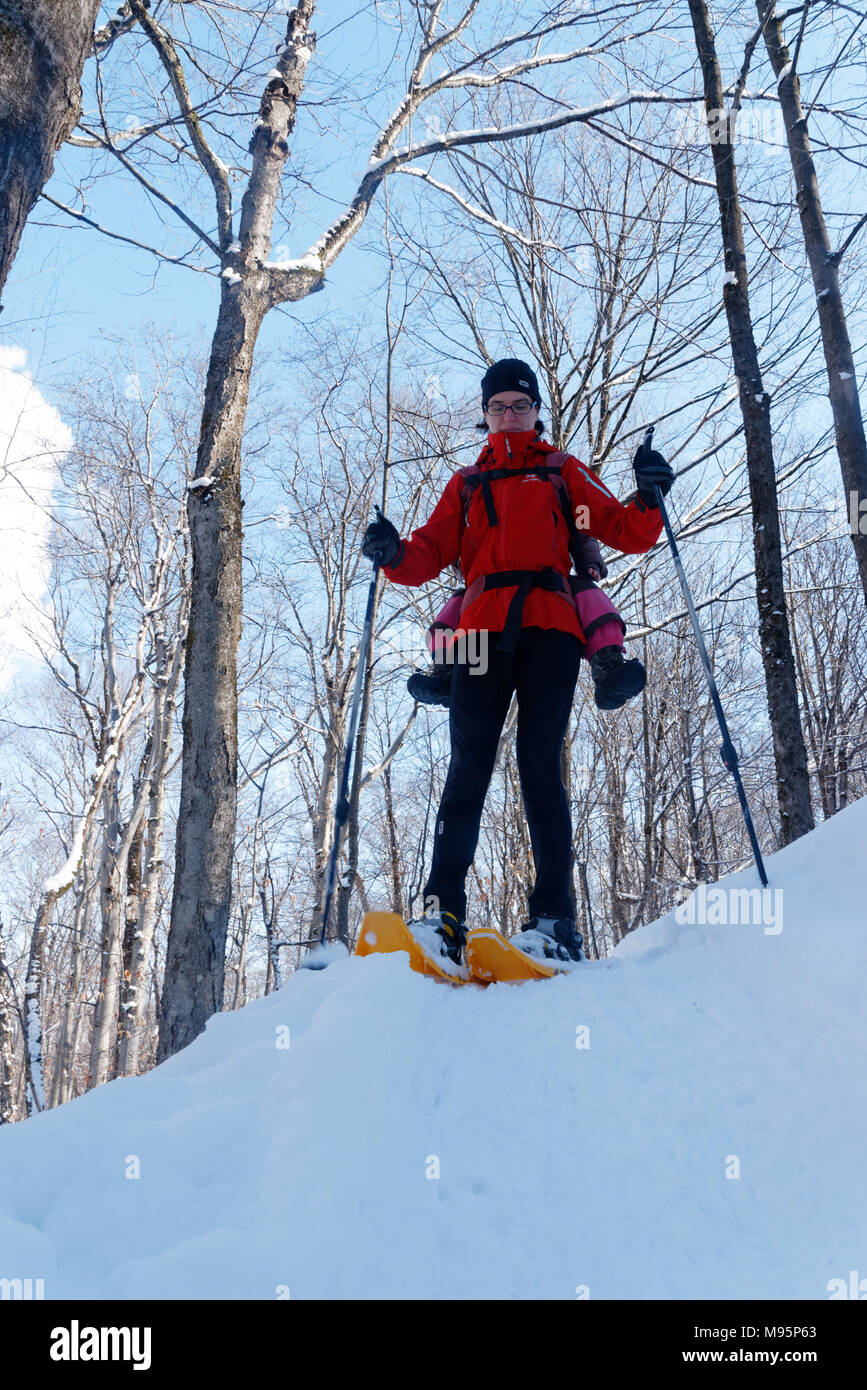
<point x="550" y="938"/>
<point x="440" y="933"/>
<point x="431" y="687"/>
<point x="615" y="679"/>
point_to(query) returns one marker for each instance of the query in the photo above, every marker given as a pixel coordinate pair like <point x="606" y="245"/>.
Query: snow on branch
<point x="494" y="134"/>
<point x="344" y="227"/>
<point x="120" y="23"/>
<point x="534" y="243"/>
<point x="58" y="883"/>
<point x="493" y="79"/>
<point x="380" y="767"/>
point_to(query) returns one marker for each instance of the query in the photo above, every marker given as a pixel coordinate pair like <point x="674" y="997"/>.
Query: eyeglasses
<point x="518" y="408"/>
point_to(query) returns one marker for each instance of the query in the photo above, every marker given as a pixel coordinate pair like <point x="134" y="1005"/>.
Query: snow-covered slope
<point x="685" y="1120"/>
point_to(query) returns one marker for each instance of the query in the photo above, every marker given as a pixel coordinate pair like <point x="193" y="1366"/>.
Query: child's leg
<point x="449" y="616"/>
<point x="600" y="621"/>
<point x="615" y="680"/>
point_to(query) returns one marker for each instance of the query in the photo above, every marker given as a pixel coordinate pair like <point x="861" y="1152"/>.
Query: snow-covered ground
<point x="685" y="1120"/>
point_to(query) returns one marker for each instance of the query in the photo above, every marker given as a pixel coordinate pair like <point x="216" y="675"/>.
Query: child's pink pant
<point x="591" y="604"/>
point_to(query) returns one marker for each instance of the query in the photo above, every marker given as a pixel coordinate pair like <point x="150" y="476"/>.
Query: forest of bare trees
<point x="654" y="205"/>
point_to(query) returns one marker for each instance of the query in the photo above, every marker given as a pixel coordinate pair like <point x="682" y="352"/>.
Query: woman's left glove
<point x="651" y="468"/>
<point x="381" y="540"/>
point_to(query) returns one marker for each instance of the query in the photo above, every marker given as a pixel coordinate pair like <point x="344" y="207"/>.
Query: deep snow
<point x="415" y="1140"/>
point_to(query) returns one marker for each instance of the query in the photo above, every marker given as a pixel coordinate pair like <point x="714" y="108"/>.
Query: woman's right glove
<point x="651" y="468"/>
<point x="381" y="541"/>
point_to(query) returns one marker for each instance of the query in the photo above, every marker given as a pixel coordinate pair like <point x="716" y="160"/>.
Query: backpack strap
<point x="522" y="581"/>
<point x="474" y="476"/>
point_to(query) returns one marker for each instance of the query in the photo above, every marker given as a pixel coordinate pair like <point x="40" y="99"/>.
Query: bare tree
<point x="825" y="268"/>
<point x="793" y="783"/>
<point x="112" y="650"/>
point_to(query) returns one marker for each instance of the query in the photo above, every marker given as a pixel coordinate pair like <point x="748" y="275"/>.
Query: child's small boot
<point x="431" y="687"/>
<point x="615" y="679"/>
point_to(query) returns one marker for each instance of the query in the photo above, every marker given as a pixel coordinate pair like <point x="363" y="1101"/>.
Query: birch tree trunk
<point x="166" y="682"/>
<point x="64" y="1059"/>
<point x="43" y="47"/>
<point x="130" y="924"/>
<point x="394" y="873"/>
<point x="35" y="1090"/>
<point x="111" y="904"/>
<point x="790" y="756"/>
<point x="7" y="1050"/>
<point x="824" y="265"/>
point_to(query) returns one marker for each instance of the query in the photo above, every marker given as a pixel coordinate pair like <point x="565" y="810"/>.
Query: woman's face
<point x="498" y="419"/>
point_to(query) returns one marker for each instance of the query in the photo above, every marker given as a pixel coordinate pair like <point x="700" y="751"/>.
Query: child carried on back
<point x="615" y="679"/>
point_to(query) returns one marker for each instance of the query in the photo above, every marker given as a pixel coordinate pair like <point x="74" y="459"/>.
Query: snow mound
<point x="685" y="1120"/>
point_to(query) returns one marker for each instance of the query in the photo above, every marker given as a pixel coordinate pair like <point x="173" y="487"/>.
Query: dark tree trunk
<point x="43" y="47"/>
<point x="842" y="380"/>
<point x="793" y="783"/>
<point x="195" y="956"/>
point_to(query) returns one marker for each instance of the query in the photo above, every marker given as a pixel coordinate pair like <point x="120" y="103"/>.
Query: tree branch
<point x="213" y="167"/>
<point x="116" y="236"/>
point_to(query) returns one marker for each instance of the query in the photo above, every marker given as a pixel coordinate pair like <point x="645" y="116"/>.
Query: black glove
<point x="381" y="541"/>
<point x="650" y="467"/>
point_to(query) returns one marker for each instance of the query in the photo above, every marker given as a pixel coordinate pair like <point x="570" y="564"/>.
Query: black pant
<point x="543" y="670"/>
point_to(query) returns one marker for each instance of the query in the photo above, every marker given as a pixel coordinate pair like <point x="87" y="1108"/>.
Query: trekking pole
<point x="728" y="752"/>
<point x="341" y="814"/>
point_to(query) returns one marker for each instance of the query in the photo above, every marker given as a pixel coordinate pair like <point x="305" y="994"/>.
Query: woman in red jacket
<point x="509" y="534"/>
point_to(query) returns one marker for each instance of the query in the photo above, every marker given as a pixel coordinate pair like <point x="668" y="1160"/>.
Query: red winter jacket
<point x="531" y="533"/>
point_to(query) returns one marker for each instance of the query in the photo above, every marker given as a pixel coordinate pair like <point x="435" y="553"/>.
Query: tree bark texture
<point x="195" y="957"/>
<point x="790" y="756"/>
<point x="43" y="47"/>
<point x="7" y="1049"/>
<point x="133" y="1003"/>
<point x="824" y="265"/>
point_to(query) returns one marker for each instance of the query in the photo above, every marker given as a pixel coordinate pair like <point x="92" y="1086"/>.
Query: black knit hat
<point x="510" y="375"/>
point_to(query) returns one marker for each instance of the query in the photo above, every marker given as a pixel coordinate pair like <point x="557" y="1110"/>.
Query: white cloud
<point x="33" y="442"/>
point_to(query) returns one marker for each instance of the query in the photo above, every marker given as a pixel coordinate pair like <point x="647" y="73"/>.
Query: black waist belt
<point x="522" y="581"/>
